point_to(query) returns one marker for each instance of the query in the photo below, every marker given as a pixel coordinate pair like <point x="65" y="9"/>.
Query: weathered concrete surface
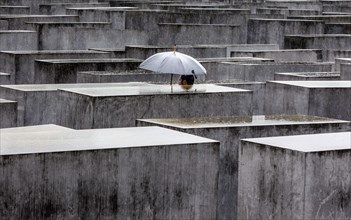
<point x="258" y="93"/>
<point x="345" y="71"/>
<point x="65" y="70"/>
<point x="339" y="61"/>
<point x="230" y="130"/>
<point x="332" y="54"/>
<point x="38" y="104"/>
<point x="323" y="42"/>
<point x="126" y="76"/>
<point x="179" y="33"/>
<point x="300" y="5"/>
<point x="328" y="18"/>
<point x="338" y="28"/>
<point x="60" y="8"/>
<point x="312" y="76"/>
<point x="272" y="31"/>
<point x="5" y="78"/>
<point x="297" y="55"/>
<point x="250" y="47"/>
<point x="120" y="106"/>
<point x="109" y="173"/>
<point x="262" y="72"/>
<point x="8" y="113"/>
<point x="84" y="35"/>
<point x="323" y="98"/>
<point x="21" y="63"/>
<point x="295" y="177"/>
<point x="18" y="40"/>
<point x="20" y="22"/>
<point x="14" y="10"/>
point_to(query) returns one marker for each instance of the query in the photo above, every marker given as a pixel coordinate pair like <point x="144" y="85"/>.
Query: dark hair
<point x="188" y="78"/>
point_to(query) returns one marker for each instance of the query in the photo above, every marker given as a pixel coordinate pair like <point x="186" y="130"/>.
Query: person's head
<point x="186" y="81"/>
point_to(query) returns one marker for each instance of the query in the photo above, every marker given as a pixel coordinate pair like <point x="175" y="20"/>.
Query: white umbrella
<point x="173" y="63"/>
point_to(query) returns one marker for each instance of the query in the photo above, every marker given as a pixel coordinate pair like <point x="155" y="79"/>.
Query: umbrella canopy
<point x="173" y="63"/>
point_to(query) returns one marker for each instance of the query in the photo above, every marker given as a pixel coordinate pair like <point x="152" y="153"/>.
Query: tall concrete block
<point x="120" y="106"/>
<point x="8" y="116"/>
<point x="295" y="177"/>
<point x="128" y="175"/>
<point x="18" y="40"/>
<point x="323" y="98"/>
<point x="272" y="31"/>
<point x="60" y="8"/>
<point x="230" y="130"/>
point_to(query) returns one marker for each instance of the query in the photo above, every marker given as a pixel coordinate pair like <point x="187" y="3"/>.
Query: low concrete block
<point x="250" y="47"/>
<point x="345" y="71"/>
<point x="261" y="72"/>
<point x="127" y="175"/>
<point x="18" y="40"/>
<point x="297" y="55"/>
<point x="331" y="55"/>
<point x="60" y="8"/>
<point x="272" y="31"/>
<point x="7" y="10"/>
<point x="21" y="63"/>
<point x="338" y="28"/>
<point x="230" y="130"/>
<point x="120" y="106"/>
<point x="339" y="61"/>
<point x="5" y="78"/>
<point x="295" y="177"/>
<point x="65" y="70"/>
<point x="322" y="98"/>
<point x="312" y="76"/>
<point x="8" y="116"/>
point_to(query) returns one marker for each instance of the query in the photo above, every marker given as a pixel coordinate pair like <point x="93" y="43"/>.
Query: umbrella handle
<point x="171" y="78"/>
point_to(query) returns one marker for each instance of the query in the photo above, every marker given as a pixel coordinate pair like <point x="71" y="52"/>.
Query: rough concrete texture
<point x="60" y="8"/>
<point x="230" y="130"/>
<point x="339" y="61"/>
<point x="124" y="176"/>
<point x="18" y="40"/>
<point x="262" y="72"/>
<point x="295" y="177"/>
<point x="21" y="63"/>
<point x="14" y="10"/>
<point x="8" y="116"/>
<point x="272" y="31"/>
<point x="323" y="98"/>
<point x="312" y="76"/>
<point x="345" y="71"/>
<point x="65" y="70"/>
<point x="121" y="106"/>
<point x="330" y="55"/>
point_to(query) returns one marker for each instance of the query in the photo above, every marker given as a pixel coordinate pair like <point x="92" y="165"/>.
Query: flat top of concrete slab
<point x="13" y="6"/>
<point x="24" y="52"/>
<point x="152" y="89"/>
<point x="308" y="143"/>
<point x="319" y="35"/>
<point x="69" y="23"/>
<point x="213" y="8"/>
<point x="54" y="87"/>
<point x="103" y="8"/>
<point x="286" y="20"/>
<point x="95" y="139"/>
<point x="317" y="84"/>
<point x="197" y="24"/>
<point x="6" y="101"/>
<point x="233" y="59"/>
<point x="15" y="31"/>
<point x="33" y="129"/>
<point x="240" y="121"/>
<point x="121" y="60"/>
<point x="311" y="74"/>
<point x="181" y="46"/>
<point x="343" y="59"/>
<point x="33" y="16"/>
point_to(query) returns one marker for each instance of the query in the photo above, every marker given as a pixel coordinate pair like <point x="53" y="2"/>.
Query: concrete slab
<point x="19" y="22"/>
<point x="312" y="76"/>
<point x="18" y="40"/>
<point x="332" y="54"/>
<point x="261" y="72"/>
<point x="65" y="70"/>
<point x="258" y="93"/>
<point x="121" y="106"/>
<point x="113" y="173"/>
<point x="278" y="28"/>
<point x="249" y="47"/>
<point x="338" y="28"/>
<point x="48" y="128"/>
<point x="14" y="10"/>
<point x="230" y="130"/>
<point x="345" y="71"/>
<point x="297" y="55"/>
<point x="326" y="18"/>
<point x="21" y="63"/>
<point x="37" y="103"/>
<point x="297" y="177"/>
<point x="339" y="61"/>
<point x="60" y="8"/>
<point x="322" y="98"/>
<point x="5" y="78"/>
<point x="8" y="116"/>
